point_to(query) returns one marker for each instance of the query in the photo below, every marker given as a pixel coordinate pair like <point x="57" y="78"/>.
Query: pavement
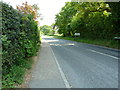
<point x="69" y="64"/>
<point x="46" y="73"/>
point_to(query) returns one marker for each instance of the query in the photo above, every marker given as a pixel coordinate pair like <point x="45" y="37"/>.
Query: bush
<point x="20" y="40"/>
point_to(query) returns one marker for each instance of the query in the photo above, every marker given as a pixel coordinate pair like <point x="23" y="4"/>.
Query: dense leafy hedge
<point x="20" y="40"/>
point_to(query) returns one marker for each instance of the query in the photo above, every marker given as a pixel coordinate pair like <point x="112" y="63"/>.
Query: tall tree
<point x="115" y="9"/>
<point x="29" y="9"/>
<point x="63" y="19"/>
<point x="91" y="19"/>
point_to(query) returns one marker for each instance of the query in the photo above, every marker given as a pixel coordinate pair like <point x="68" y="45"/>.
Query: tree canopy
<point x="45" y="29"/>
<point x="91" y="19"/>
<point x="29" y="9"/>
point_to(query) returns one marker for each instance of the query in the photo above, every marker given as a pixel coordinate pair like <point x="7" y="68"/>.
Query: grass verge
<point x="19" y="75"/>
<point x="28" y="74"/>
<point x="16" y="75"/>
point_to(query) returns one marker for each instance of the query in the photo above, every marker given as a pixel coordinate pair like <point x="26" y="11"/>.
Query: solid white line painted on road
<point x="103" y="54"/>
<point x="68" y="86"/>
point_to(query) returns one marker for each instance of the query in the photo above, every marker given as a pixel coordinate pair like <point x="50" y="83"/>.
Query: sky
<point x="48" y="8"/>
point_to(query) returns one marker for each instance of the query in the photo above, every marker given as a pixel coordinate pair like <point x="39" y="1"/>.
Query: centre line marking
<point x="103" y="54"/>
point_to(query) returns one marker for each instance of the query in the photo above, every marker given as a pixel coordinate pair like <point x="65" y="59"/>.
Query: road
<point x="83" y="65"/>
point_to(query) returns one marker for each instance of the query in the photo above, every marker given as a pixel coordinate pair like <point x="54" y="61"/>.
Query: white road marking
<point x="68" y="86"/>
<point x="103" y="54"/>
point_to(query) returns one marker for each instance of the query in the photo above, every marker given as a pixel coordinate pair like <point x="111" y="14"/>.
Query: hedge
<point x="20" y="40"/>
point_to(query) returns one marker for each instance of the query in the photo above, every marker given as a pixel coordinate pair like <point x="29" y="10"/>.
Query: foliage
<point x="115" y="16"/>
<point x="63" y="19"/>
<point x="20" y="40"/>
<point x="47" y="30"/>
<point x="29" y="9"/>
<point x="95" y="20"/>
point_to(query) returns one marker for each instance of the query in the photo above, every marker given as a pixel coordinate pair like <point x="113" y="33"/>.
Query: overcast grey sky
<point x="48" y="8"/>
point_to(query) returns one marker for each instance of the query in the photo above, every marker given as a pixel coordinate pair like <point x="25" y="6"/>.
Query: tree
<point x="115" y="10"/>
<point x="46" y="29"/>
<point x="91" y="19"/>
<point x="64" y="18"/>
<point x="29" y="9"/>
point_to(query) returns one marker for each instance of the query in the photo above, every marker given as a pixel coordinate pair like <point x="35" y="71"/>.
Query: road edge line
<point x="61" y="71"/>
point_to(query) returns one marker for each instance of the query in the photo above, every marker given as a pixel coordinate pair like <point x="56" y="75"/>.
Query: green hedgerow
<point x="20" y="40"/>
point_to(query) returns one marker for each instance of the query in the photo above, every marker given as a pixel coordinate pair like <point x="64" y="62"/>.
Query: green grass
<point x="16" y="75"/>
<point x="106" y="43"/>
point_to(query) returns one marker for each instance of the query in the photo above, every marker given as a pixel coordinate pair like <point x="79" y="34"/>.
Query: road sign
<point x="77" y="34"/>
<point x="117" y="38"/>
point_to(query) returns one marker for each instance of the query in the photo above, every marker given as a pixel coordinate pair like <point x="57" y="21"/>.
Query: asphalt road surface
<point x="84" y="65"/>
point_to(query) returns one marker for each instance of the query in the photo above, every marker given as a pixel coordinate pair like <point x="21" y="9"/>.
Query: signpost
<point x="76" y="34"/>
<point x="117" y="38"/>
